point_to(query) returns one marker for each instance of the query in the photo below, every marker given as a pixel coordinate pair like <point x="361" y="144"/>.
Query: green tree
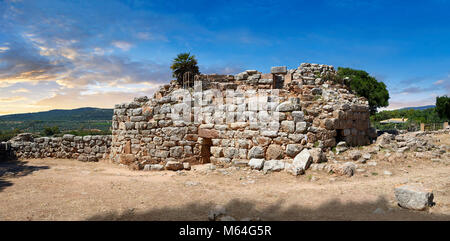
<point x="184" y="63"/>
<point x="8" y="134"/>
<point x="367" y="86"/>
<point x="50" y="131"/>
<point x="443" y="107"/>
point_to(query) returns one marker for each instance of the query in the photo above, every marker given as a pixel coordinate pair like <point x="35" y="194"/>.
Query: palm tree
<point x="182" y="64"/>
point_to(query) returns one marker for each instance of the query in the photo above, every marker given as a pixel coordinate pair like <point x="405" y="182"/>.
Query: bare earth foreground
<point x="59" y="189"/>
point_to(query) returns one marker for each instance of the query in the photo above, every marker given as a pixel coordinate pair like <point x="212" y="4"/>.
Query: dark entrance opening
<point x="278" y="81"/>
<point x="205" y="150"/>
<point x="340" y="135"/>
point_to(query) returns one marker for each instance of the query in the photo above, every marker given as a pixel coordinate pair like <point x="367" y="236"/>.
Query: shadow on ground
<point x="333" y="210"/>
<point x="14" y="169"/>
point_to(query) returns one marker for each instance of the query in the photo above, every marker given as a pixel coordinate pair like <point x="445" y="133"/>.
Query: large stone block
<point x="274" y="152"/>
<point x="273" y="165"/>
<point x="208" y="133"/>
<point x="288" y="126"/>
<point x="285" y="107"/>
<point x="256" y="163"/>
<point x="174" y="166"/>
<point x="301" y="127"/>
<point x="302" y="160"/>
<point x="255" y="152"/>
<point x="414" y="196"/>
<point x="278" y="70"/>
<point x="293" y="149"/>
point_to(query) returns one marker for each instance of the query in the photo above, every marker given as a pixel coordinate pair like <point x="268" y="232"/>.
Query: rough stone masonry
<point x="275" y="121"/>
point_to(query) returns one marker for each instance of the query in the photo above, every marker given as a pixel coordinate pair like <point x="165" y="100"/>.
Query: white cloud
<point x="12" y="99"/>
<point x="125" y="46"/>
<point x="21" y="90"/>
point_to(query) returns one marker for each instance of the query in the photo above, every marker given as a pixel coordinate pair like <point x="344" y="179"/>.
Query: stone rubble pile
<point x="388" y="147"/>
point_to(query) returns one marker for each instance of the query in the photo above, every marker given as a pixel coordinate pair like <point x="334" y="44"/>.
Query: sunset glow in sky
<point x="69" y="54"/>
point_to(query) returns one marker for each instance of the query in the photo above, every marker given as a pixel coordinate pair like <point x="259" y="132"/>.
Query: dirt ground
<point x="59" y="189"/>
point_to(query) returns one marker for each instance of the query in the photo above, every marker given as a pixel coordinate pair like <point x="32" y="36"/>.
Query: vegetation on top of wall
<point x="8" y="134"/>
<point x="184" y="63"/>
<point x="361" y="83"/>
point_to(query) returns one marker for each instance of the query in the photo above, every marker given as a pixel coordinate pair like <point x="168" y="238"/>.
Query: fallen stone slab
<point x="413" y="196"/>
<point x="174" y="166"/>
<point x="273" y="165"/>
<point x="303" y="159"/>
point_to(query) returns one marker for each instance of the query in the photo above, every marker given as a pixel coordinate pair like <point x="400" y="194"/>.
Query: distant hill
<point x="81" y="114"/>
<point x="419" y="107"/>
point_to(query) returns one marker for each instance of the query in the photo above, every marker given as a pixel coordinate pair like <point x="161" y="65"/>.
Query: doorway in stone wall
<point x="278" y="81"/>
<point x="205" y="150"/>
<point x="339" y="135"/>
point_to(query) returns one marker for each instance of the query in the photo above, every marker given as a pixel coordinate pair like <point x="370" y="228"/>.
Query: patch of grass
<point x="309" y="177"/>
<point x="316" y="144"/>
<point x="334" y="150"/>
<point x="374" y="174"/>
<point x="317" y="97"/>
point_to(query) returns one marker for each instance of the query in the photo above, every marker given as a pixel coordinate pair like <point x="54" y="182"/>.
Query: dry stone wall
<point x="282" y="120"/>
<point x="265" y="119"/>
<point x="82" y="148"/>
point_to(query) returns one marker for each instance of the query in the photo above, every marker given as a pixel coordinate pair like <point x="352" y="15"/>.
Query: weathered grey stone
<point x="288" y="126"/>
<point x="355" y="155"/>
<point x="341" y="147"/>
<point x="82" y="158"/>
<point x="269" y="133"/>
<point x="256" y="152"/>
<point x="156" y="167"/>
<point x="273" y="165"/>
<point x="317" y="155"/>
<point x="141" y="99"/>
<point x="366" y="156"/>
<point x="176" y="151"/>
<point x="255" y="163"/>
<point x="68" y="137"/>
<point x="285" y="107"/>
<point x="302" y="160"/>
<point x="293" y="149"/>
<point x="413" y="196"/>
<point x="301" y="127"/>
<point x="347" y="169"/>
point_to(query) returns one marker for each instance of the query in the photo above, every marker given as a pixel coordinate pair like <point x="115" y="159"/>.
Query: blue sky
<point x="68" y="54"/>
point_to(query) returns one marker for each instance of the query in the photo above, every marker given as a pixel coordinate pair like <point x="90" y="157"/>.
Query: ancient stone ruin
<point x="283" y="120"/>
<point x="273" y="121"/>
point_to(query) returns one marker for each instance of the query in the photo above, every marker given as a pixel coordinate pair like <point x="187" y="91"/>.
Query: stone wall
<point x="232" y="119"/>
<point x="83" y="148"/>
